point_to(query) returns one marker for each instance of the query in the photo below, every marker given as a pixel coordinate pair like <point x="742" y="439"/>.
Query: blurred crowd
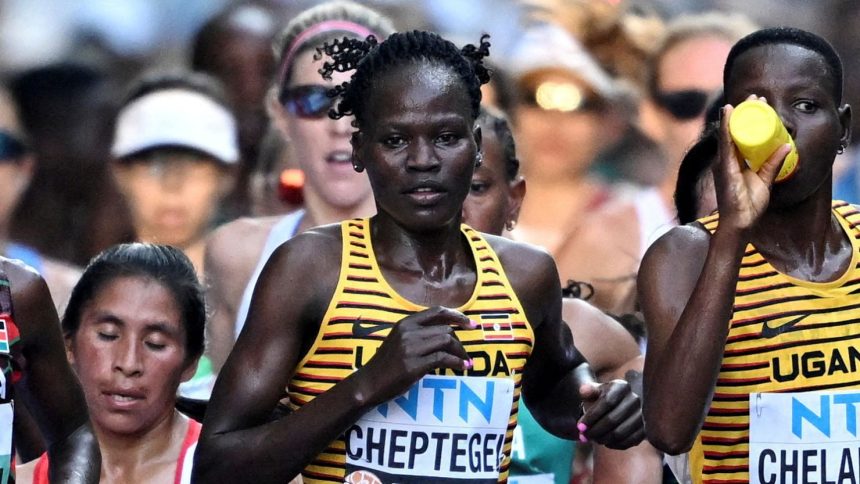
<point x="169" y="122"/>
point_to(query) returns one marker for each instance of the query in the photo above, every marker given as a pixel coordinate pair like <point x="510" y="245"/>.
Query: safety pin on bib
<point x="757" y="406"/>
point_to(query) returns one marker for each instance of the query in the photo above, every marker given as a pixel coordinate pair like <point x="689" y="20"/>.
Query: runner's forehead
<point x="782" y="64"/>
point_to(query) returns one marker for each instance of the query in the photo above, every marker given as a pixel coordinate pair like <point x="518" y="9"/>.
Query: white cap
<point x="548" y="46"/>
<point x="176" y="117"/>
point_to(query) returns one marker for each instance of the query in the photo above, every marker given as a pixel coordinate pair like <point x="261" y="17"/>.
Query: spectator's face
<point x="554" y="143"/>
<point x="16" y="167"/>
<point x="694" y="65"/>
<point x="243" y="61"/>
<point x="129" y="353"/>
<point x="321" y="146"/>
<point x="173" y="195"/>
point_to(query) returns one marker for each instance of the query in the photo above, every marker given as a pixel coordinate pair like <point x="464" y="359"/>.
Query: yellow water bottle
<point x="757" y="132"/>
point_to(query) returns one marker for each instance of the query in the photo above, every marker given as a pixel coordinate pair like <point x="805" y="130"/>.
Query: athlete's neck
<point x="139" y="457"/>
<point x="432" y="256"/>
<point x="805" y="241"/>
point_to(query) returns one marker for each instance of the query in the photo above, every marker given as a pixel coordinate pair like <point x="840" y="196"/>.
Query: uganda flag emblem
<point x="497" y="326"/>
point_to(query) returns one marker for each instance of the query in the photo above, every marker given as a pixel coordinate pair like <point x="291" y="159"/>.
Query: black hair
<point x="177" y="79"/>
<point x="791" y="36"/>
<point x="165" y="264"/>
<point x="52" y="96"/>
<point x="491" y="119"/>
<point x="696" y="163"/>
<point x="693" y="167"/>
<point x="371" y="59"/>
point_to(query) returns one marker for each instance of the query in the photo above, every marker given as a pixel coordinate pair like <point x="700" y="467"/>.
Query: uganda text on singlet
<point x="784" y="404"/>
<point x="452" y="426"/>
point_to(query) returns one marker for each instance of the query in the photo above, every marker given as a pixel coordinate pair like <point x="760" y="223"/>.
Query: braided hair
<point x="370" y="59"/>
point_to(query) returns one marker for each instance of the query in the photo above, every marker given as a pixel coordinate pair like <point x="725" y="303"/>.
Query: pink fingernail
<point x="582" y="427"/>
<point x="473" y="323"/>
<point x="469" y="364"/>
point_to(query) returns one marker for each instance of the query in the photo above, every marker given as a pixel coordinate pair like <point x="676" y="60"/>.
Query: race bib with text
<point x="443" y="429"/>
<point x="804" y="437"/>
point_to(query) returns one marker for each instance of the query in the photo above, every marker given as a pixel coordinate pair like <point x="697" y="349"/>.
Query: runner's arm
<point x="603" y="341"/>
<point x="239" y="443"/>
<point x="642" y="464"/>
<point x="49" y="388"/>
<point x="686" y="288"/>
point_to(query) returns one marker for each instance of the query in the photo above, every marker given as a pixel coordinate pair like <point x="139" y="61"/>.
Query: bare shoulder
<point x="31" y="300"/>
<point x="523" y="262"/>
<point x="677" y="245"/>
<point x="238" y="244"/>
<point x="312" y="254"/>
<point x="669" y="272"/>
<point x="532" y="274"/>
<point x="25" y="282"/>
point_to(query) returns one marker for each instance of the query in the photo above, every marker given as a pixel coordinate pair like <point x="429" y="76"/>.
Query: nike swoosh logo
<point x="363" y="330"/>
<point x="768" y="331"/>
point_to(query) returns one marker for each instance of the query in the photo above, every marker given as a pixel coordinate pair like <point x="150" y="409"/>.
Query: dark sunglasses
<point x="686" y="104"/>
<point x="309" y="101"/>
<point x="11" y="147"/>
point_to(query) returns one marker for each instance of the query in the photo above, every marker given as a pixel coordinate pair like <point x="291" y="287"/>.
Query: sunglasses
<point x="686" y="104"/>
<point x="310" y="101"/>
<point x="11" y="147"/>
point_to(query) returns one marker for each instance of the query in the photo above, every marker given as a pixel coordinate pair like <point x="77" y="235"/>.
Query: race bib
<point x="804" y="437"/>
<point x="444" y="429"/>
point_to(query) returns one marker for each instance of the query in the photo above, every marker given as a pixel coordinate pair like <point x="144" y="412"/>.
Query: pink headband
<point x="325" y="26"/>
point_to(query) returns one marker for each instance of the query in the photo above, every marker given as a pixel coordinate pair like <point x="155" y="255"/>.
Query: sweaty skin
<point x="422" y="129"/>
<point x="688" y="278"/>
<point x="49" y="388"/>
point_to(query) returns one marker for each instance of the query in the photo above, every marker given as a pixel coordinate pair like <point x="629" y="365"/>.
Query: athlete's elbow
<point x="665" y="437"/>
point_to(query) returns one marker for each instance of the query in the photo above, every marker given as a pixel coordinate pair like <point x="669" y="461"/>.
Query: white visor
<point x="176" y="117"/>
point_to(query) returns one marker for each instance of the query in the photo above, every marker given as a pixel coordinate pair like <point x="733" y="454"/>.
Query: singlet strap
<point x="40" y="472"/>
<point x="186" y="454"/>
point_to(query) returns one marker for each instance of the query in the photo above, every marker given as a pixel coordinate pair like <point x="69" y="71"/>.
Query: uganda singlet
<point x="8" y="375"/>
<point x="786" y="336"/>
<point x="448" y="427"/>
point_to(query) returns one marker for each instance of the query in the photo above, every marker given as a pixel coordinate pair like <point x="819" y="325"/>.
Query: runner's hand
<point x="742" y="194"/>
<point x="416" y="345"/>
<point x="613" y="414"/>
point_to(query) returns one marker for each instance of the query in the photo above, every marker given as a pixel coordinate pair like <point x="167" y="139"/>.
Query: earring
<point x="510" y="225"/>
<point x="357" y="166"/>
<point x="841" y="149"/>
<point x="479" y="159"/>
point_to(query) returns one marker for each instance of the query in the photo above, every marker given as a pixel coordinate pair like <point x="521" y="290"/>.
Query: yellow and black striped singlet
<point x="364" y="308"/>
<point x="786" y="335"/>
